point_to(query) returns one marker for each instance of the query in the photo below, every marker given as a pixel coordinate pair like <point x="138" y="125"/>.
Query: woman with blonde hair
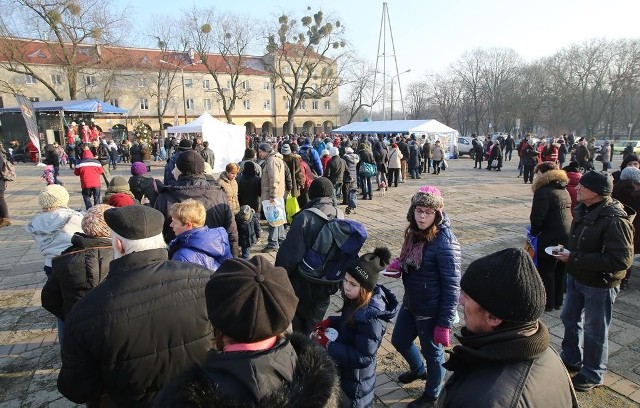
<point x="229" y="184"/>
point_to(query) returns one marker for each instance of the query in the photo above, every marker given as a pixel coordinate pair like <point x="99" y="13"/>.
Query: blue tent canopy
<point x="83" y="105"/>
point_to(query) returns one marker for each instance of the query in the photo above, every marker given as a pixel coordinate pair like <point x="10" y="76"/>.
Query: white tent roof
<point x="429" y="126"/>
<point x="227" y="141"/>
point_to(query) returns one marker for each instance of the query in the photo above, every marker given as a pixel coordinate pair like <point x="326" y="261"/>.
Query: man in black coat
<point x="504" y="357"/>
<point x="143" y="325"/>
<point x="404" y="149"/>
<point x="191" y="183"/>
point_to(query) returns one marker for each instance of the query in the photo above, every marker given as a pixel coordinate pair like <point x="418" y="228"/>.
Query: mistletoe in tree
<point x="142" y="133"/>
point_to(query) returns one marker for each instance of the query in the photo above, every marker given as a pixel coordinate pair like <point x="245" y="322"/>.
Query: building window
<point x="228" y="84"/>
<point x="56" y="79"/>
<point x="247" y="104"/>
<point x="314" y="105"/>
<point x="327" y="105"/>
<point x="206" y="104"/>
<point x="29" y="79"/>
<point x="144" y="104"/>
<point x="142" y="83"/>
<point x="34" y="99"/>
<point x="246" y="86"/>
<point x="266" y="85"/>
<point x="189" y="104"/>
<point x="303" y="105"/>
<point x="205" y="84"/>
<point x="188" y="83"/>
<point x="267" y="104"/>
<point x="114" y="102"/>
<point x="89" y="80"/>
<point x="286" y="70"/>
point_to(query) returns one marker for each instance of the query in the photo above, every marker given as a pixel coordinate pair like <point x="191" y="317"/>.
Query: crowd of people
<point x="159" y="302"/>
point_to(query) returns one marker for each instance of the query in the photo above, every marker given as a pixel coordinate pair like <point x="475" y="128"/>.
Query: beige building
<point x="143" y="80"/>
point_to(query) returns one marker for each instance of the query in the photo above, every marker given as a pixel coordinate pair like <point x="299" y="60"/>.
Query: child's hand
<point x="441" y="335"/>
<point x="319" y="337"/>
<point x="393" y="269"/>
<point x="394" y="265"/>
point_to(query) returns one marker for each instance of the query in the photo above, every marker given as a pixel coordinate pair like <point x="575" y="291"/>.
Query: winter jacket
<point x="550" y="217"/>
<point x="89" y="171"/>
<point x="208" y="156"/>
<point x="313" y="157"/>
<point x="293" y="373"/>
<point x="605" y="152"/>
<point x="625" y="192"/>
<point x="213" y="198"/>
<point x="168" y="168"/>
<point x="78" y="269"/>
<point x="426" y="150"/>
<point x="366" y="156"/>
<point x="562" y="153"/>
<point x="248" y="231"/>
<point x="297" y="178"/>
<point x="358" y="341"/>
<point x="52" y="231"/>
<point x="529" y="156"/>
<point x="434" y="288"/>
<point x="437" y="153"/>
<point x="601" y="243"/>
<point x="257" y="170"/>
<point x="230" y="187"/>
<point x="207" y="247"/>
<point x="351" y="173"/>
<point x="394" y="158"/>
<point x="135" y="331"/>
<point x="495" y="154"/>
<point x="404" y="149"/>
<point x="506" y="368"/>
<point x="414" y="156"/>
<point x="335" y="170"/>
<point x="272" y="182"/>
<point x="574" y="180"/>
<point x="582" y="153"/>
<point x="143" y="186"/>
<point x="249" y="191"/>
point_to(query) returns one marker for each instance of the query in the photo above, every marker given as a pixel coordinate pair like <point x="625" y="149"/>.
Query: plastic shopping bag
<point x="274" y="212"/>
<point x="291" y="207"/>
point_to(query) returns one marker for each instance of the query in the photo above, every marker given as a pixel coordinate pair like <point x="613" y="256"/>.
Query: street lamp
<point x="184" y="98"/>
<point x="392" y="79"/>
<point x="630" y="127"/>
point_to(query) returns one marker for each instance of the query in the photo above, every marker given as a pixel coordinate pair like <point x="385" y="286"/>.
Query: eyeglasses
<point x="419" y="213"/>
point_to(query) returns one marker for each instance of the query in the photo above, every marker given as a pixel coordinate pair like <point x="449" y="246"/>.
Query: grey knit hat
<point x="427" y="196"/>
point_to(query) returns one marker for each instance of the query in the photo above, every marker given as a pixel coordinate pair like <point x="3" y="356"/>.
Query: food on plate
<point x="557" y="250"/>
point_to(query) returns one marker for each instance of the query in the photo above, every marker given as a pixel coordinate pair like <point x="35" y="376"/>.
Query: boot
<point x="4" y="222"/>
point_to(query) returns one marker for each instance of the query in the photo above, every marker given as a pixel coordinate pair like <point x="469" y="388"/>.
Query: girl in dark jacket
<point x="249" y="187"/>
<point x="551" y="221"/>
<point x="429" y="264"/>
<point x="367" y="309"/>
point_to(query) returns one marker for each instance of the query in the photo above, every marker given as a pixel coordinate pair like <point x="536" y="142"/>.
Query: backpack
<point x="367" y="169"/>
<point x="8" y="171"/>
<point x="336" y="246"/>
<point x="307" y="176"/>
<point x="305" y="153"/>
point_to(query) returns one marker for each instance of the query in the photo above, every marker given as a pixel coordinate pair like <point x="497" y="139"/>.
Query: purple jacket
<point x="204" y="246"/>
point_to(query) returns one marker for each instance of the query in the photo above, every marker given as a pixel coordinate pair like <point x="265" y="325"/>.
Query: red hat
<point x="120" y="200"/>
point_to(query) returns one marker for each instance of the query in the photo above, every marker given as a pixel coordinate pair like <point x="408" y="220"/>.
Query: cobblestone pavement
<point x="489" y="211"/>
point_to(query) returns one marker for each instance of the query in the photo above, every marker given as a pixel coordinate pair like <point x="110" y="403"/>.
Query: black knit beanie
<point x="506" y="284"/>
<point x="321" y="187"/>
<point x="250" y="300"/>
<point x="367" y="268"/>
<point x="599" y="182"/>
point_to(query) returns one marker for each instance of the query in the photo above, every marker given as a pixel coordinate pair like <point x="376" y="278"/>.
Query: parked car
<point x="465" y="147"/>
<point x="620" y="145"/>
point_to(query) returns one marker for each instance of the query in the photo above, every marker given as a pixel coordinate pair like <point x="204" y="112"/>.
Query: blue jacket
<point x="354" y="351"/>
<point x="204" y="246"/>
<point x="315" y="158"/>
<point x="433" y="289"/>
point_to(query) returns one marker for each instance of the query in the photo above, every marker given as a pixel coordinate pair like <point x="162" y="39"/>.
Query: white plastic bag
<point x="275" y="212"/>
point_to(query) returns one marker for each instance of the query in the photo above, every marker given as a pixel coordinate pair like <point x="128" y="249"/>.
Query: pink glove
<point x="393" y="269"/>
<point x="394" y="265"/>
<point x="321" y="339"/>
<point x="441" y="336"/>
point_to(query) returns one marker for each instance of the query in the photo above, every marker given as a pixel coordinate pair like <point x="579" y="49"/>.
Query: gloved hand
<point x="393" y="269"/>
<point x="394" y="265"/>
<point x="322" y="325"/>
<point x="441" y="336"/>
<point x="321" y="339"/>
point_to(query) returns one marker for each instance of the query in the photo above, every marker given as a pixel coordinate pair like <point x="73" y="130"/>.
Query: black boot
<point x="424" y="401"/>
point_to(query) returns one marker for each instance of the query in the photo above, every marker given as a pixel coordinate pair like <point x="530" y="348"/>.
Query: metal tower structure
<point x="385" y="25"/>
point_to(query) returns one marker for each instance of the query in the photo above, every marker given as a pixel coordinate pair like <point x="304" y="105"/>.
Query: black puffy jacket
<point x="143" y="185"/>
<point x="211" y="195"/>
<point x="136" y="330"/>
<point x="78" y="269"/>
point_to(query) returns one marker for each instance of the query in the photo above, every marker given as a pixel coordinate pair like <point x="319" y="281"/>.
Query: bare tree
<point x="305" y="58"/>
<point x="500" y="67"/>
<point x="72" y="32"/>
<point x="418" y="99"/>
<point x="358" y="79"/>
<point x="445" y="97"/>
<point x="469" y="70"/>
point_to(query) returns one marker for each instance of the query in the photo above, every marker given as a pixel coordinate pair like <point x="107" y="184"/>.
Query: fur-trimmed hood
<point x="552" y="176"/>
<point x="314" y="383"/>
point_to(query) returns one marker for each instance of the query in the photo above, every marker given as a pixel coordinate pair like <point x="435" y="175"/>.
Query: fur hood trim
<point x="557" y="176"/>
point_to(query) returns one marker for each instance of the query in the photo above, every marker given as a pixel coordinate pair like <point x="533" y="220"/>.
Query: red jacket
<point x="89" y="171"/>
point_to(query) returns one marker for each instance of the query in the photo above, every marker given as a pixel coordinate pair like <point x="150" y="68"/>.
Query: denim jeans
<point x="86" y="196"/>
<point x="276" y="234"/>
<point x="407" y="328"/>
<point x="246" y="253"/>
<point x="586" y="315"/>
<point x="366" y="186"/>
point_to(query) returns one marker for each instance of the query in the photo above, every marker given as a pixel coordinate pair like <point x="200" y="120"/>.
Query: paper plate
<point x="549" y="250"/>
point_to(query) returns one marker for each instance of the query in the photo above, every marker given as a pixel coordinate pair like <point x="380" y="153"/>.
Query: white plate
<point x="549" y="250"/>
<point x="331" y="333"/>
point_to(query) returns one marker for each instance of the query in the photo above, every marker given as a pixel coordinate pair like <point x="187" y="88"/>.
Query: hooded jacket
<point x="144" y="185"/>
<point x="248" y="229"/>
<point x="351" y="173"/>
<point x="355" y="349"/>
<point x="89" y="171"/>
<point x="272" y="181"/>
<point x="52" y="231"/>
<point x="550" y="213"/>
<point x="293" y="373"/>
<point x="207" y="247"/>
<point x="231" y="188"/>
<point x="433" y="289"/>
<point x="77" y="270"/>
<point x="249" y="186"/>
<point x="335" y="170"/>
<point x="601" y="243"/>
<point x="625" y="192"/>
<point x="213" y="198"/>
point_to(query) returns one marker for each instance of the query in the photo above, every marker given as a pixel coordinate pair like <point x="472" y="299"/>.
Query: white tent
<point x="227" y="141"/>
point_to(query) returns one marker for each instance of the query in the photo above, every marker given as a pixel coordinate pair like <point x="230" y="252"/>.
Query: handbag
<point x="443" y="165"/>
<point x="531" y="246"/>
<point x="274" y="212"/>
<point x="367" y="169"/>
<point x="291" y="207"/>
<point x="599" y="157"/>
<point x="494" y="163"/>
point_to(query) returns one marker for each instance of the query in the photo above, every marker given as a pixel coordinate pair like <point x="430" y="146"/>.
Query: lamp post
<point x="392" y="79"/>
<point x="184" y="98"/>
<point x="630" y="127"/>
